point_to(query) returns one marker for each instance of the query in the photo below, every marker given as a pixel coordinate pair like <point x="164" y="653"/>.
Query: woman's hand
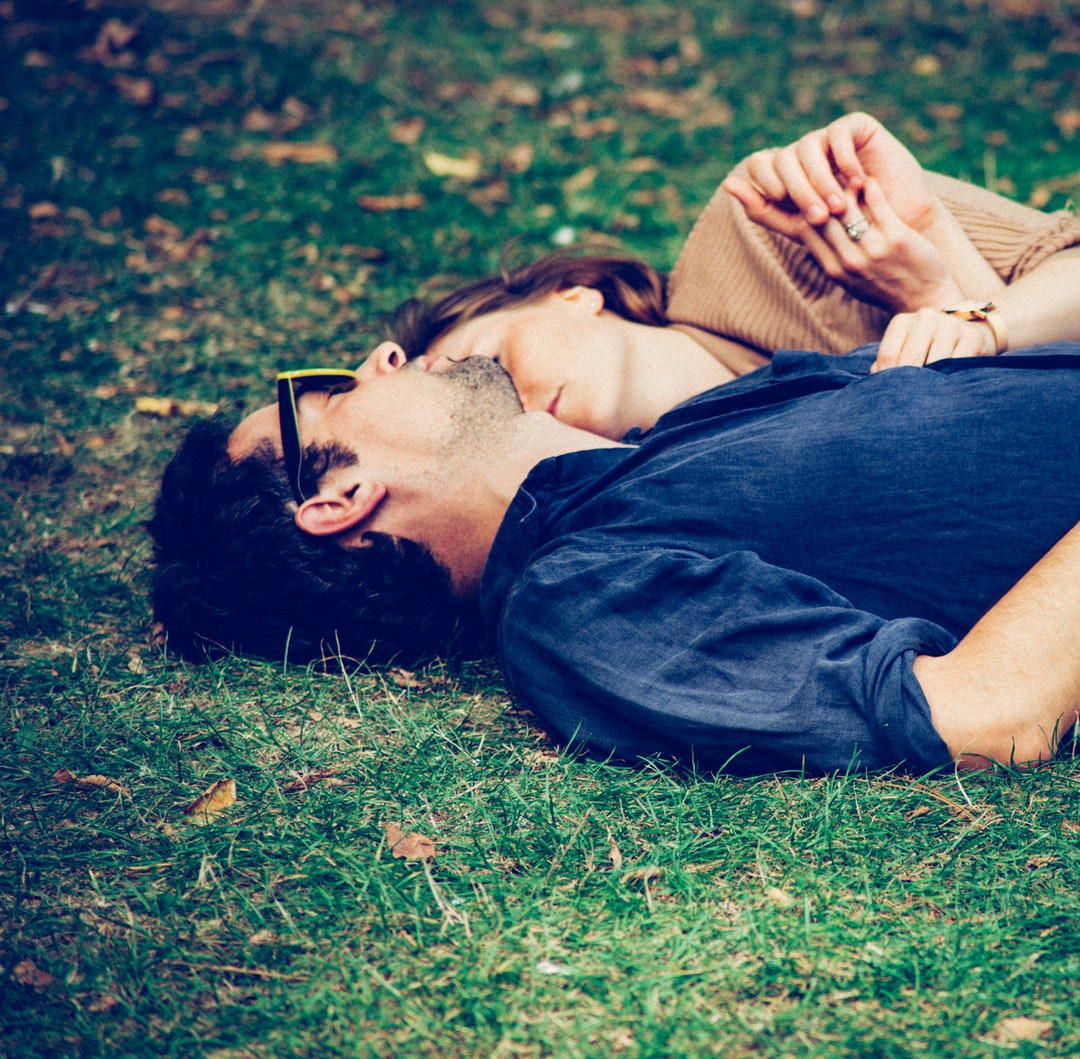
<point x="928" y="335"/>
<point x="810" y="177"/>
<point x="889" y="263"/>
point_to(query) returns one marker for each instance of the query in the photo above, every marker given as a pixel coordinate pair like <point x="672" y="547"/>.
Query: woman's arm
<point x="1041" y="306"/>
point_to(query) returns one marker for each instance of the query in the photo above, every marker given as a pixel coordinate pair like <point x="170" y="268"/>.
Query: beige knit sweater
<point x="737" y="280"/>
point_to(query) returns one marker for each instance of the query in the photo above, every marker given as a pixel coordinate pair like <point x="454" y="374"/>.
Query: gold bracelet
<point x="988" y="313"/>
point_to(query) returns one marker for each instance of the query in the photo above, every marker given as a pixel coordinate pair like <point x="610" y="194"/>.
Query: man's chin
<point x="489" y="381"/>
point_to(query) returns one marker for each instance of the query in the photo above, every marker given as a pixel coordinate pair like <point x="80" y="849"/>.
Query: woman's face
<point x="566" y="355"/>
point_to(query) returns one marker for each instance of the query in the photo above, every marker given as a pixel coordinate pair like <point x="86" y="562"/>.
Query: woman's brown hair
<point x="631" y="288"/>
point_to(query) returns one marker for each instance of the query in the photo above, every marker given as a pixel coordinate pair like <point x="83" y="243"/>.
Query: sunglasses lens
<point x="291" y="386"/>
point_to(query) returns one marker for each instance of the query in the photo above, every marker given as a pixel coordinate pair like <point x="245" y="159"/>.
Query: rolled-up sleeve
<point x="726" y="662"/>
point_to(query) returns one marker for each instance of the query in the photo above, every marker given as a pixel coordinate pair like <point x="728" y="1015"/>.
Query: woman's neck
<point x="667" y="367"/>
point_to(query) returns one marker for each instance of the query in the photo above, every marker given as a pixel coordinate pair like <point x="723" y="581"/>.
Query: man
<point x="787" y="572"/>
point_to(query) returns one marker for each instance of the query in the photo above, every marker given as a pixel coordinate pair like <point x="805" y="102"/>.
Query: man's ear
<point x="334" y="511"/>
<point x="589" y="298"/>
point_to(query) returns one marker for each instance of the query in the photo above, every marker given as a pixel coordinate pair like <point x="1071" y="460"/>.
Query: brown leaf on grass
<point x="213" y="801"/>
<point x="1039" y="861"/>
<point x="408" y="130"/>
<point x="659" y="101"/>
<point x="258" y="120"/>
<point x="541" y="759"/>
<point x="309" y="779"/>
<point x="166" y="407"/>
<point x="41" y="210"/>
<point x="519" y="158"/>
<point x="109" y="47"/>
<point x="780" y="898"/>
<point x="26" y="972"/>
<point x="409" y="847"/>
<point x="581" y="180"/>
<point x="410" y="200"/>
<point x="1070" y="825"/>
<point x="642" y="875"/>
<point x="101" y="783"/>
<point x="137" y="90"/>
<point x="464" y="168"/>
<point x="614" y="852"/>
<point x="93" y="782"/>
<point x="104" y="1002"/>
<point x="1068" y="121"/>
<point x="589" y="130"/>
<point x="304" y="153"/>
<point x="405" y="678"/>
<point x="1021" y="1028"/>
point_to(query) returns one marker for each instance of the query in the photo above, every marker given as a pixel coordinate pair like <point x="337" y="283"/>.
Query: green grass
<point x="147" y="248"/>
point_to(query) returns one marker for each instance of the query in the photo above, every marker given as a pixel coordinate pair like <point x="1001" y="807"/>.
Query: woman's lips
<point x="553" y="404"/>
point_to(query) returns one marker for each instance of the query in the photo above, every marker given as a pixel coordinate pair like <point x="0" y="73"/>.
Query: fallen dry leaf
<point x="309" y="779"/>
<point x="540" y="759"/>
<point x="1068" y="121"/>
<point x="581" y="180"/>
<point x="1039" y="860"/>
<point x="410" y="200"/>
<point x="519" y="158"/>
<point x="137" y="90"/>
<point x="305" y="153"/>
<point x="405" y="678"/>
<point x="92" y="782"/>
<point x="1023" y="1029"/>
<point x="642" y="875"/>
<point x="409" y="847"/>
<point x="659" y="101"/>
<point x="101" y="783"/>
<point x="258" y="120"/>
<point x="551" y="967"/>
<point x="166" y="407"/>
<point x="40" y="210"/>
<point x="467" y="168"/>
<point x="26" y="972"/>
<point x="214" y="800"/>
<point x="408" y="130"/>
<point x="780" y="898"/>
<point x="614" y="852"/>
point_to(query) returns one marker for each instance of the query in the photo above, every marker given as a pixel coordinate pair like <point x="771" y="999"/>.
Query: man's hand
<point x="1010" y="690"/>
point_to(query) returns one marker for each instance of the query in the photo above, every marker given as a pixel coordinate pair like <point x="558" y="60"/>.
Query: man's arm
<point x="1011" y="688"/>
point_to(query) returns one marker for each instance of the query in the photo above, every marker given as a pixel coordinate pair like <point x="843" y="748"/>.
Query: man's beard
<point x="486" y="395"/>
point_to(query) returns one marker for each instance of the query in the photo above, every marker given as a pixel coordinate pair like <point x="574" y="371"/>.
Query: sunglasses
<point x="291" y="385"/>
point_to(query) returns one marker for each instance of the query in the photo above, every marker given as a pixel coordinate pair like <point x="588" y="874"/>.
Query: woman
<point x="837" y="240"/>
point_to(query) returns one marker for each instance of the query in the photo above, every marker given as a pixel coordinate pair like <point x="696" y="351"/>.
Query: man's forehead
<point x="259" y="428"/>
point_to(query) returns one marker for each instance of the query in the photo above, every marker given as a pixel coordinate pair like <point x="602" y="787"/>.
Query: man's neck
<point x="496" y="475"/>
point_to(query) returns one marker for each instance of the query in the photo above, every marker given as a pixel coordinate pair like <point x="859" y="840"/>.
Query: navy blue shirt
<point x="746" y="589"/>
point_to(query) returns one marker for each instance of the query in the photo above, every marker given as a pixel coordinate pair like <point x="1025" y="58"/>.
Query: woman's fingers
<point x="927" y="335"/>
<point x="760" y="210"/>
<point x="761" y="170"/>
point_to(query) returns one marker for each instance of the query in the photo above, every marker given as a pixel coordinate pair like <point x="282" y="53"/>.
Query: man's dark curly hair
<point x="233" y="572"/>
